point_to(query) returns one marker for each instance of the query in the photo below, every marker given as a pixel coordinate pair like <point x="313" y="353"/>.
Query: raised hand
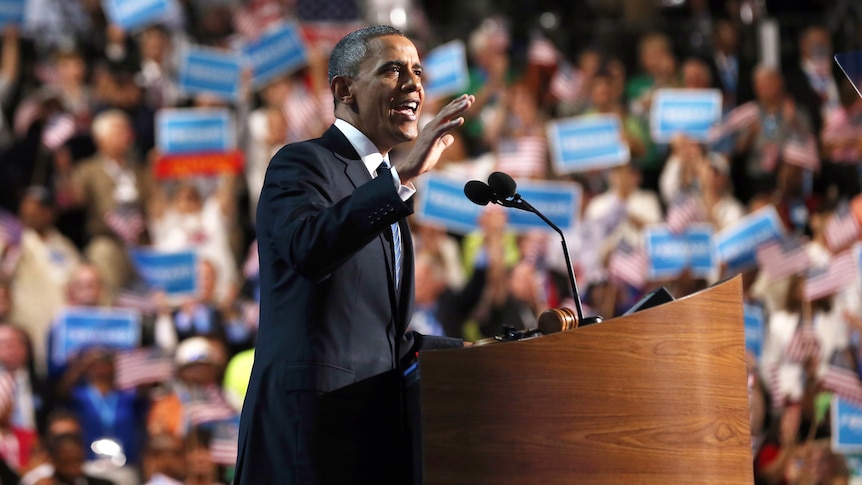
<point x="434" y="139"/>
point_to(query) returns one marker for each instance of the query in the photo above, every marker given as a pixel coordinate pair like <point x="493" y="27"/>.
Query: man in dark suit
<point x="336" y="275"/>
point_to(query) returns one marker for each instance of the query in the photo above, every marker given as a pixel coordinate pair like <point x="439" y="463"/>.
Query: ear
<point x="342" y="89"/>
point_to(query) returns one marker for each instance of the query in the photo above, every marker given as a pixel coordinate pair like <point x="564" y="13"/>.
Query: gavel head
<point x="557" y="320"/>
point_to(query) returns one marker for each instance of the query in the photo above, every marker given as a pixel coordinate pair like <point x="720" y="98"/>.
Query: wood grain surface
<point x="659" y="396"/>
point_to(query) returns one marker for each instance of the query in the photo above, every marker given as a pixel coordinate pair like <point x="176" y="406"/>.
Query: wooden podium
<point x="658" y="396"/>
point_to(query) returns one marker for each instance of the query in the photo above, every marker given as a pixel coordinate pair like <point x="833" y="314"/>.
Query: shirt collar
<point x="370" y="155"/>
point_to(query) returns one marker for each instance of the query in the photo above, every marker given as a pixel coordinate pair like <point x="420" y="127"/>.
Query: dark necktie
<point x="396" y="236"/>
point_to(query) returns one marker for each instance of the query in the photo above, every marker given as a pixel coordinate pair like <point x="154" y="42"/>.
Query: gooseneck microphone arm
<point x="501" y="189"/>
<point x="519" y="203"/>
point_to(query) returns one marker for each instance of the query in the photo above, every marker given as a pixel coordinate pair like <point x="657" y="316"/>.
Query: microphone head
<point x="478" y="192"/>
<point x="502" y="184"/>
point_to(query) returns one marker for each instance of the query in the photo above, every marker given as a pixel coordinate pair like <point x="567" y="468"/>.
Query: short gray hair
<point x="352" y="48"/>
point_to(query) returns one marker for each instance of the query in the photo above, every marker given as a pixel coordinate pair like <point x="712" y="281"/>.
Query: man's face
<point x="387" y="92"/>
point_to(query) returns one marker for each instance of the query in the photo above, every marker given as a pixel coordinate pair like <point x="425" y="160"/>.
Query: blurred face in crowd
<point x="653" y="49"/>
<point x="624" y="179"/>
<point x="589" y="62"/>
<point x="188" y="200"/>
<point x="168" y="456"/>
<point x="13" y="348"/>
<point x="430" y="279"/>
<point x="71" y="69"/>
<point x="199" y="374"/>
<point x="35" y="214"/>
<point x="726" y="37"/>
<point x="695" y="75"/>
<point x="85" y="287"/>
<point x="816" y="45"/>
<point x="101" y="366"/>
<point x="5" y="300"/>
<point x="523" y="104"/>
<point x="522" y="282"/>
<point x="68" y="461"/>
<point x="115" y="137"/>
<point x="206" y="280"/>
<point x="768" y="86"/>
<point x="602" y="94"/>
<point x="154" y="44"/>
<point x="385" y="98"/>
<point x="275" y="93"/>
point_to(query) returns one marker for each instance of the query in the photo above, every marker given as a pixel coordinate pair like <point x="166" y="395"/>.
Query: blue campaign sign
<point x="80" y="327"/>
<point x="195" y="130"/>
<point x="846" y="426"/>
<point x="670" y="253"/>
<point x="279" y="50"/>
<point x="132" y="14"/>
<point x="11" y="12"/>
<point x="445" y="70"/>
<point x="558" y="201"/>
<point x="175" y="273"/>
<point x="213" y="71"/>
<point x="442" y="201"/>
<point x="700" y="251"/>
<point x="689" y="111"/>
<point x="737" y="245"/>
<point x="586" y="143"/>
<point x="754" y="324"/>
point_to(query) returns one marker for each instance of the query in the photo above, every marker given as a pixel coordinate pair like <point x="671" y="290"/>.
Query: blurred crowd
<point x="79" y="99"/>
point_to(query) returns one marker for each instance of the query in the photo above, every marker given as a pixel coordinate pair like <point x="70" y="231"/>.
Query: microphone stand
<point x="519" y="203"/>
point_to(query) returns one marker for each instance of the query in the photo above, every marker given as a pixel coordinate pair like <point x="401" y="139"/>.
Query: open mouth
<point x="407" y="108"/>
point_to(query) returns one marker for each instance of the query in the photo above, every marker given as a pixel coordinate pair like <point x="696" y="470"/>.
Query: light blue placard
<point x="445" y="70"/>
<point x="195" y="130"/>
<point x="443" y="202"/>
<point x="670" y="253"/>
<point x="175" y="273"/>
<point x="205" y="70"/>
<point x="586" y="143"/>
<point x="754" y="321"/>
<point x="737" y="245"/>
<point x="11" y="12"/>
<point x="846" y="426"/>
<point x="689" y="111"/>
<point x="132" y="14"/>
<point x="86" y="327"/>
<point x="278" y="51"/>
<point x="700" y="250"/>
<point x="558" y="201"/>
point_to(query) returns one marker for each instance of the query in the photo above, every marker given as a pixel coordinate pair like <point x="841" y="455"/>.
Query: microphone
<point x="501" y="189"/>
<point x="479" y="192"/>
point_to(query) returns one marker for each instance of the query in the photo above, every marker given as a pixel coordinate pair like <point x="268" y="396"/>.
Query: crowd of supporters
<point x="79" y="100"/>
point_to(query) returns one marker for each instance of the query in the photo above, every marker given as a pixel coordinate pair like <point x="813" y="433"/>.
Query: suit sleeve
<point x="314" y="216"/>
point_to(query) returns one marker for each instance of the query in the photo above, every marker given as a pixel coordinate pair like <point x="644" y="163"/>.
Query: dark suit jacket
<point x="330" y="320"/>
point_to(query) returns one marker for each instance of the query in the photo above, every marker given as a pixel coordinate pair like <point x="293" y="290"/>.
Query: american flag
<point x="142" y="366"/>
<point x="7" y="390"/>
<point x="58" y="130"/>
<point x="783" y="257"/>
<point x="136" y="300"/>
<point x="523" y="156"/>
<point x="629" y="265"/>
<point x="127" y="222"/>
<point x="541" y="51"/>
<point x="779" y="397"/>
<point x="210" y="407"/>
<point x="802" y="152"/>
<point x="842" y="229"/>
<point x="306" y="114"/>
<point x="223" y="451"/>
<point x="831" y="278"/>
<point x="844" y="383"/>
<point x="740" y="117"/>
<point x="803" y="345"/>
<point x="256" y="16"/>
<point x="684" y="212"/>
<point x="566" y="83"/>
<point x="10" y="229"/>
